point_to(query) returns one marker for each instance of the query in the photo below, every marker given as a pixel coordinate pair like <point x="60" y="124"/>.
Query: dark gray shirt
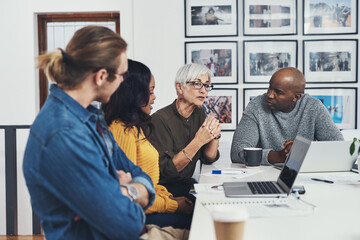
<point x="172" y="133"/>
<point x="268" y="129"/>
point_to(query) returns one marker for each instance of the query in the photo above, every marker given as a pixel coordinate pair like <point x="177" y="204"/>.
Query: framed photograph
<point x="219" y="57"/>
<point x="206" y="18"/>
<point x="331" y="61"/>
<point x="221" y="103"/>
<point x="341" y="104"/>
<point x="250" y="93"/>
<point x="263" y="17"/>
<point x="330" y="17"/>
<point x="263" y="58"/>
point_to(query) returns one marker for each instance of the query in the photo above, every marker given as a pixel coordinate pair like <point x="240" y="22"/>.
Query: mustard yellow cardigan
<point x="142" y="153"/>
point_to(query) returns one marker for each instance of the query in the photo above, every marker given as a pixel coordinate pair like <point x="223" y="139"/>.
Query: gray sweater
<point x="268" y="129"/>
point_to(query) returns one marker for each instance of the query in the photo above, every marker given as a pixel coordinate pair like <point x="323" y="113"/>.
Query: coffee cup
<point x="229" y="222"/>
<point x="252" y="157"/>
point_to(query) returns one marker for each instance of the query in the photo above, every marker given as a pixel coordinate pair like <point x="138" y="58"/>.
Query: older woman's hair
<point x="89" y="50"/>
<point x="191" y="71"/>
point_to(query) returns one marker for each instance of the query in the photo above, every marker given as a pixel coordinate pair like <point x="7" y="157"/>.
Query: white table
<point x="337" y="215"/>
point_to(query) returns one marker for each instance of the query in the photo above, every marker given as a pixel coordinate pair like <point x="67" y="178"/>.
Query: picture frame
<point x="250" y="93"/>
<point x="341" y="102"/>
<point x="264" y="18"/>
<point x="262" y="59"/>
<point x="330" y="61"/>
<point x="207" y="18"/>
<point x="222" y="104"/>
<point x="330" y="17"/>
<point x="220" y="57"/>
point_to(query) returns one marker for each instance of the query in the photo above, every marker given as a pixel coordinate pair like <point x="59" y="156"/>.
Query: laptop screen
<point x="293" y="162"/>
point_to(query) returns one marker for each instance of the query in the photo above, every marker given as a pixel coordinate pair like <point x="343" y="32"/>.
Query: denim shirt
<point x="70" y="170"/>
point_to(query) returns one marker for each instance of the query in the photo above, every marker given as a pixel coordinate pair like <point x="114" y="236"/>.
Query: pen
<point x="322" y="180"/>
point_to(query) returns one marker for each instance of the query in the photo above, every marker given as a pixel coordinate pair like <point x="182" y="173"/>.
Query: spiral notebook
<point x="262" y="207"/>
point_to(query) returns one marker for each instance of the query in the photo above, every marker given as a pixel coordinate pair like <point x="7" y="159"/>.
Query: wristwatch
<point x="218" y="137"/>
<point x="132" y="191"/>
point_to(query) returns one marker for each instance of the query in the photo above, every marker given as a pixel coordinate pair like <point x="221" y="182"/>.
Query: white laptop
<point x="285" y="181"/>
<point x="328" y="156"/>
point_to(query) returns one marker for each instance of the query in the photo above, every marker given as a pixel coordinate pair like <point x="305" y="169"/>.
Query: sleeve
<point x="83" y="182"/>
<point x="126" y="140"/>
<point x="325" y="128"/>
<point x="162" y="203"/>
<point x="123" y="163"/>
<point x="246" y="135"/>
<point x="207" y="160"/>
<point x="162" y="140"/>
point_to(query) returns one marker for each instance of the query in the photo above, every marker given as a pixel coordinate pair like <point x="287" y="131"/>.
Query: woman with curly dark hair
<point x="128" y="117"/>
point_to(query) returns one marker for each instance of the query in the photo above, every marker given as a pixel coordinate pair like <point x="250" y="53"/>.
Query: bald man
<point x="271" y="121"/>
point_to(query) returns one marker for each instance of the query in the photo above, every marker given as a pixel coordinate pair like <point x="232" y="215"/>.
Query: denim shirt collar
<point x="90" y="114"/>
<point x="84" y="114"/>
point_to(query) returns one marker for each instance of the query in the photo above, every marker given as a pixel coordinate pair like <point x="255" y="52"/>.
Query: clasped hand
<point x="185" y="206"/>
<point x="280" y="156"/>
<point x="210" y="129"/>
<point x="124" y="178"/>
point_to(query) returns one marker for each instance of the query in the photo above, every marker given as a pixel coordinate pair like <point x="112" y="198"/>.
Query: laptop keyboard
<point x="263" y="188"/>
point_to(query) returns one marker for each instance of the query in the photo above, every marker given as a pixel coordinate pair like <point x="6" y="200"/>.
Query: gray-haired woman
<point x="182" y="133"/>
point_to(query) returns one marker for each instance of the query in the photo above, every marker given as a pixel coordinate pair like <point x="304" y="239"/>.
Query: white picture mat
<point x="190" y="47"/>
<point x="211" y="30"/>
<point x="330" y="46"/>
<point x="271" y="30"/>
<point x="349" y="104"/>
<point x="234" y="105"/>
<point x="327" y="30"/>
<point x="248" y="93"/>
<point x="267" y="47"/>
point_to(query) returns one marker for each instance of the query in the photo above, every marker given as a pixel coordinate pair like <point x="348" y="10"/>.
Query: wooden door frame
<point x="43" y="19"/>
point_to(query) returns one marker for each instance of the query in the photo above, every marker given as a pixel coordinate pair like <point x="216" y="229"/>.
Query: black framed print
<point x="263" y="17"/>
<point x="250" y="93"/>
<point x="263" y="58"/>
<point x="221" y="103"/>
<point x="205" y="18"/>
<point x="330" y="61"/>
<point x="341" y="104"/>
<point x="220" y="57"/>
<point x="330" y="17"/>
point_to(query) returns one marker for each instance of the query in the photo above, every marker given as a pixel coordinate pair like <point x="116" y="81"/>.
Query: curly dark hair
<point x="126" y="102"/>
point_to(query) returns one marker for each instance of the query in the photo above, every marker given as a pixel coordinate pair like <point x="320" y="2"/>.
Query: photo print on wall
<point x="204" y="18"/>
<point x="279" y="18"/>
<point x="330" y="17"/>
<point x="221" y="103"/>
<point x="219" y="57"/>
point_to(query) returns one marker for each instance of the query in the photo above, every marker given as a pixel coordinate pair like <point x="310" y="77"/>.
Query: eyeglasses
<point x="199" y="85"/>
